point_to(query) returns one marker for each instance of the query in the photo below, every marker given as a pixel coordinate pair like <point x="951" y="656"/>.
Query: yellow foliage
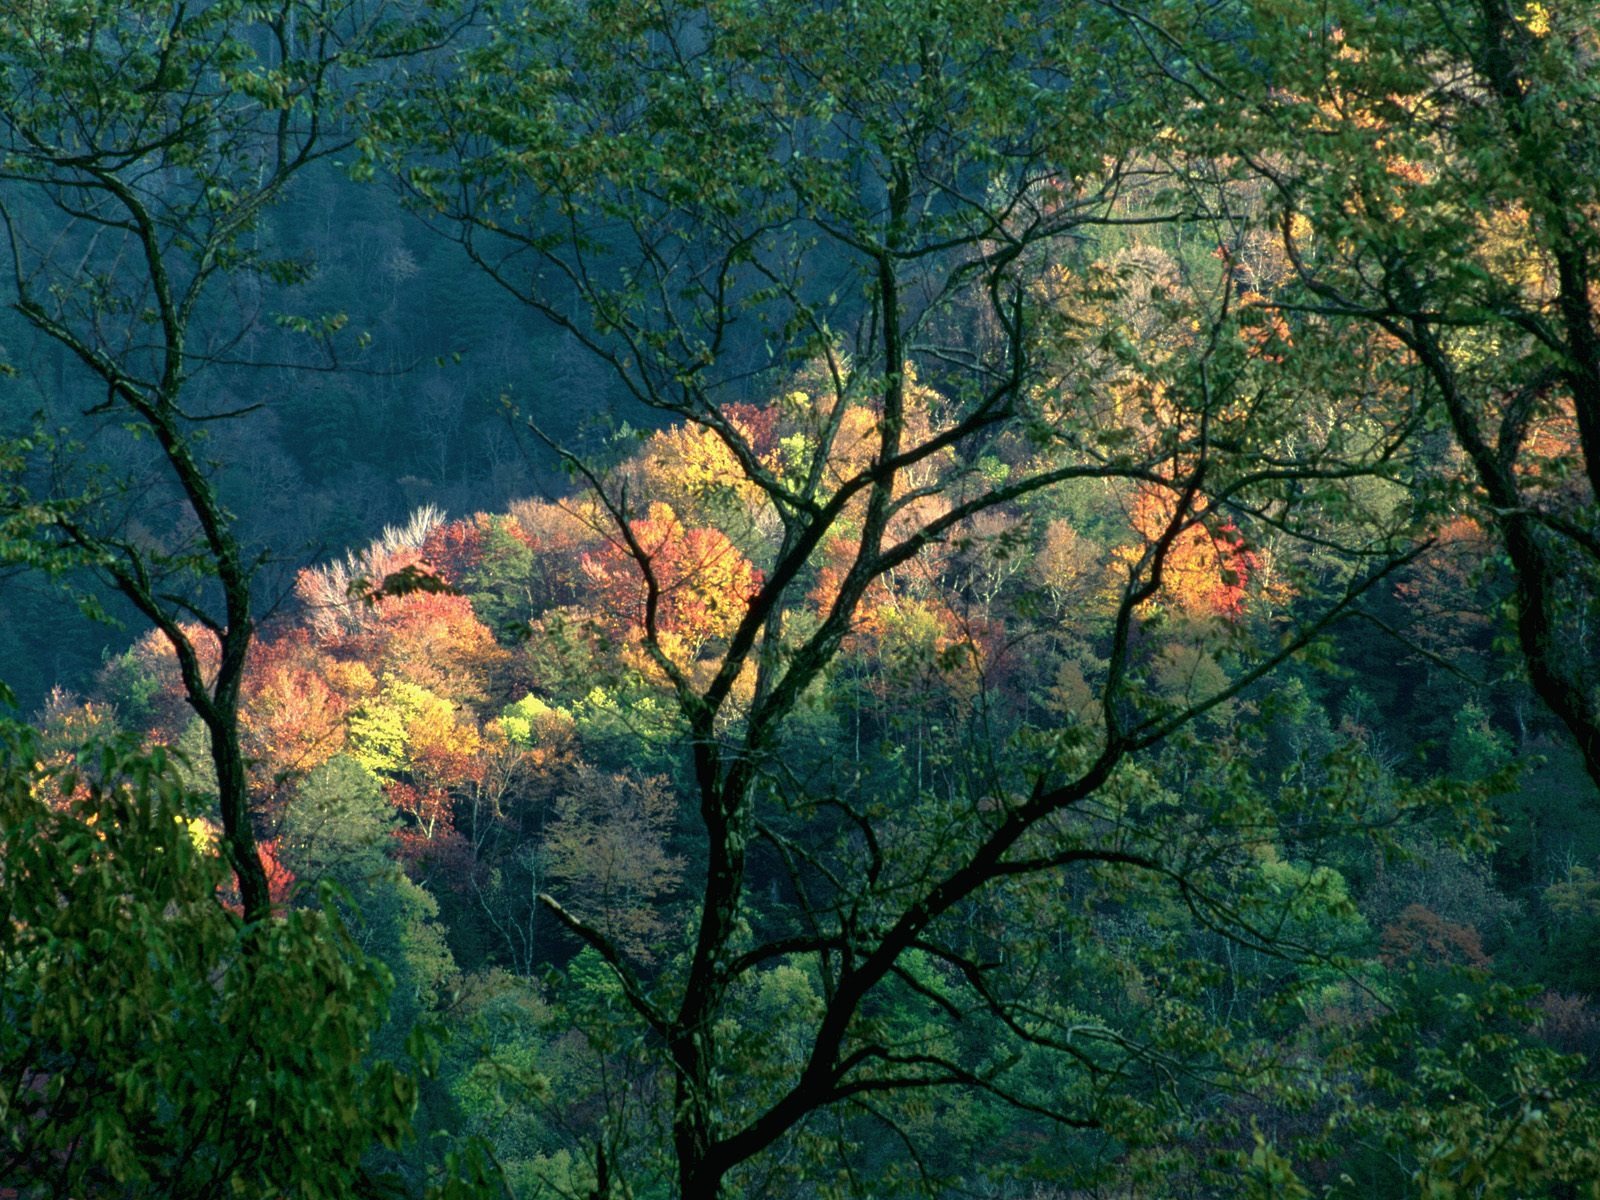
<point x="202" y="833"/>
<point x="434" y="729"/>
<point x="692" y="465"/>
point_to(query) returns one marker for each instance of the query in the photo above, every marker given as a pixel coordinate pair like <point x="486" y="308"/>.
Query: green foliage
<point x="339" y="829"/>
<point x="500" y="584"/>
<point x="1477" y="750"/>
<point x="338" y="826"/>
<point x="129" y="686"/>
<point x="381" y="728"/>
<point x="530" y="720"/>
<point x="978" y="834"/>
<point x="1461" y="1103"/>
<point x="629" y="724"/>
<point x="494" y="1073"/>
<point x="192" y="761"/>
<point x="154" y="1042"/>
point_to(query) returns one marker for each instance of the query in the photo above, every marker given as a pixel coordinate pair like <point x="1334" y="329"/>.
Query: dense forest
<point x="762" y="598"/>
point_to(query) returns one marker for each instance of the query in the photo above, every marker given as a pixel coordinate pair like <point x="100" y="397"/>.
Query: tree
<point x="606" y="843"/>
<point x="896" y="217"/>
<point x="141" y="146"/>
<point x="1445" y="197"/>
<point x="154" y="1045"/>
<point x="339" y="829"/>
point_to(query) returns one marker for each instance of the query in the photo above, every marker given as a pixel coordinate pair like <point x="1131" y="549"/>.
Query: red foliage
<point x="444" y="858"/>
<point x="280" y="880"/>
<point x="1208" y="566"/>
<point x="428" y="810"/>
<point x="704" y="584"/>
<point x="758" y="424"/>
<point x="1420" y="935"/>
<point x="452" y="550"/>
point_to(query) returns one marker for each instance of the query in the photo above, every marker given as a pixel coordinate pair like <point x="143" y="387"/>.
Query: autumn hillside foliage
<point x="513" y="734"/>
<point x="1053" y="656"/>
<point x="439" y="693"/>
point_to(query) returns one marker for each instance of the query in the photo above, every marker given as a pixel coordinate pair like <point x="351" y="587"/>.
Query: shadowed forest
<point x="773" y="599"/>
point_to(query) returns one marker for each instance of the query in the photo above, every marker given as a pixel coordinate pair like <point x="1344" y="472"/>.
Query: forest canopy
<point x="1015" y="616"/>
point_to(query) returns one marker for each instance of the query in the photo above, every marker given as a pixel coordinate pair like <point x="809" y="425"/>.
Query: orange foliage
<point x="433" y="639"/>
<point x="704" y="582"/>
<point x="923" y="652"/>
<point x="834" y="558"/>
<point x="1207" y="568"/>
<point x="854" y="446"/>
<point x="918" y="645"/>
<point x="292" y="718"/>
<point x="1268" y="336"/>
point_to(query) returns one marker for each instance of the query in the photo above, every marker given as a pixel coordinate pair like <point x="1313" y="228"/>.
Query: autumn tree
<point x="702" y="581"/>
<point x="887" y="214"/>
<point x="607" y="843"/>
